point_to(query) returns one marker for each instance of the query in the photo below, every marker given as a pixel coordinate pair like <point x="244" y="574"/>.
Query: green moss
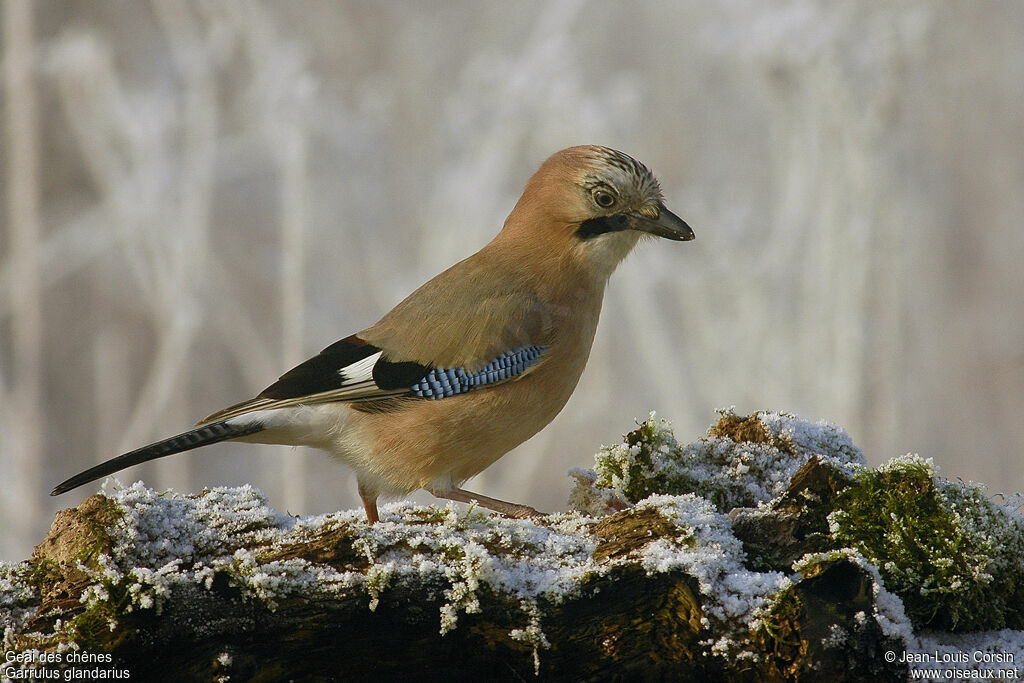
<point x="80" y="537"/>
<point x="378" y="580"/>
<point x="634" y="469"/>
<point x="953" y="556"/>
<point x="333" y="545"/>
<point x="822" y="628"/>
<point x="74" y="554"/>
<point x="743" y="461"/>
<point x="650" y="461"/>
<point x="41" y="574"/>
<point x="427" y="515"/>
<point x="94" y="627"/>
<point x="777" y="634"/>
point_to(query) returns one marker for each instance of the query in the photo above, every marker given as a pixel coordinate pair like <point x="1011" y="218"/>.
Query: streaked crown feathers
<point x="604" y="165"/>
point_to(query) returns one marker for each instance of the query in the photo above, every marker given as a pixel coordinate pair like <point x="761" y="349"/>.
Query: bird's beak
<point x="667" y="225"/>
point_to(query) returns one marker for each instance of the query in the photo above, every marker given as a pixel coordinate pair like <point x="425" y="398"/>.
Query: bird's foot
<point x="514" y="510"/>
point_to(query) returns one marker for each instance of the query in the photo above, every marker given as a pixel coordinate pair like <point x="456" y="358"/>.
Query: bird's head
<point x="593" y="204"/>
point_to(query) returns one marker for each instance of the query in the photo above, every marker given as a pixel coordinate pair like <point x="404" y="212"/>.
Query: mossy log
<point x="623" y="621"/>
<point x="767" y="551"/>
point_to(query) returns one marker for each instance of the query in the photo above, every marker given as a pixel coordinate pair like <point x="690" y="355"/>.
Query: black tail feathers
<point x="200" y="436"/>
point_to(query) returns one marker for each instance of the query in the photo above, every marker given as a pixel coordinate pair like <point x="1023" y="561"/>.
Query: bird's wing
<point x="341" y="372"/>
<point x="354" y="370"/>
<point x="466" y="317"/>
<point x="460" y="331"/>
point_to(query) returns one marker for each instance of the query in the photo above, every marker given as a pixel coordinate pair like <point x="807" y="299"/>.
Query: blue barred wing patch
<point x="445" y="382"/>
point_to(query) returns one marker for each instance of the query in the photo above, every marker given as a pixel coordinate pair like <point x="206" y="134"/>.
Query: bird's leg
<point x="370" y="505"/>
<point x="508" y="509"/>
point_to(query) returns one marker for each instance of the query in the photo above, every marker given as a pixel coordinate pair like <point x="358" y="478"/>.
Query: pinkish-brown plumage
<point x="537" y="285"/>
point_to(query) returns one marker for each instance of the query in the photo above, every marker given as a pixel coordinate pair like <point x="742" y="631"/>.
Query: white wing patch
<point x="360" y="371"/>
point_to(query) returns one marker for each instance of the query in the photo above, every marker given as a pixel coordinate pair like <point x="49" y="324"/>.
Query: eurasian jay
<point x="471" y="364"/>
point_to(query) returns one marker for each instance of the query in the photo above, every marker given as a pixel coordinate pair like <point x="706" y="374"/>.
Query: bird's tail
<point x="200" y="436"/>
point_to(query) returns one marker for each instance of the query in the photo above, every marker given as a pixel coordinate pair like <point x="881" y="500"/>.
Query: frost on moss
<point x="19" y="599"/>
<point x="743" y="461"/>
<point x="709" y="552"/>
<point x="156" y="547"/>
<point x="670" y="573"/>
<point x="953" y="555"/>
<point x="534" y="584"/>
<point x="830" y="624"/>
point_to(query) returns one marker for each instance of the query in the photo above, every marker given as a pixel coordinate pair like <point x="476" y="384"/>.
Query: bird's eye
<point x="604" y="198"/>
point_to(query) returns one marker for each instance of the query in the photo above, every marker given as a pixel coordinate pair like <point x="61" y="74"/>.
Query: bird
<point x="472" y="363"/>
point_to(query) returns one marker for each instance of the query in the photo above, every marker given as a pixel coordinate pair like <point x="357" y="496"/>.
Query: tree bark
<point x="622" y="623"/>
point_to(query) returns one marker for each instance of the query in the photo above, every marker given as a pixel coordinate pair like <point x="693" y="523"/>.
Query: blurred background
<point x="196" y="195"/>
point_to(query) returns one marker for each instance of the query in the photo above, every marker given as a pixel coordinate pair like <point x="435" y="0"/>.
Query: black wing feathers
<point x="401" y="375"/>
<point x="321" y="372"/>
